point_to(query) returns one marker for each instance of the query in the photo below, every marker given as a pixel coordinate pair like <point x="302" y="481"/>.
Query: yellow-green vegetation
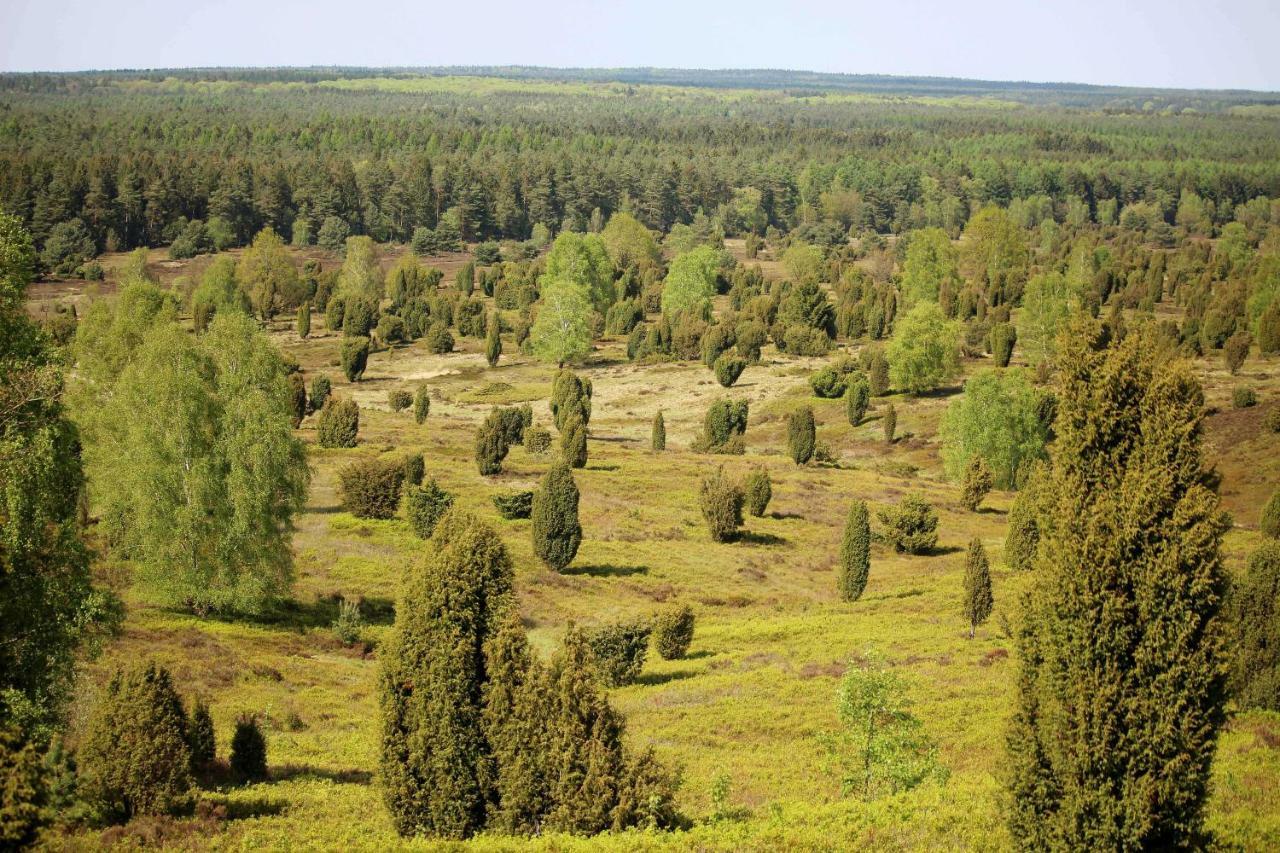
<point x="750" y="710"/>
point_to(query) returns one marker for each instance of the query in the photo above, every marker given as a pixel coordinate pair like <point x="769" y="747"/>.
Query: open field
<point x="750" y="702"/>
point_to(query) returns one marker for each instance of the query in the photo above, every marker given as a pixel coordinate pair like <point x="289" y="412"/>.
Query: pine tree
<point x="855" y="553"/>
<point x="1255" y="604"/>
<point x="136" y="759"/>
<point x="556" y="531"/>
<point x="857" y="394"/>
<point x="493" y="341"/>
<point x="1121" y="689"/>
<point x="436" y="764"/>
<point x="978" y="600"/>
<point x="801" y="435"/>
<point x="658" y="438"/>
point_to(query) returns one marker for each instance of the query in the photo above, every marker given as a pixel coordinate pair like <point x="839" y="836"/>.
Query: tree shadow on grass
<point x="750" y="537"/>
<point x="323" y="611"/>
<point x="784" y="516"/>
<point x="605" y="570"/>
<point x="287" y="772"/>
<point x="252" y="807"/>
<point x="654" y="679"/>
<point x="700" y="654"/>
<point x="942" y="551"/>
<point x="602" y="467"/>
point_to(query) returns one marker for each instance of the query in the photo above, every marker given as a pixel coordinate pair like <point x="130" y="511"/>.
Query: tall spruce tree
<point x="855" y="553"/>
<point x="436" y="764"/>
<point x="556" y="531"/>
<point x="1121" y="689"/>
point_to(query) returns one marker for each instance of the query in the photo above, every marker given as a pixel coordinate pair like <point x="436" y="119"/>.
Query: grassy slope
<point x="771" y="639"/>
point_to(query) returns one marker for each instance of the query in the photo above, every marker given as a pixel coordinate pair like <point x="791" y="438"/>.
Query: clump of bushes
<point x="136" y="758"/>
<point x="801" y="435"/>
<point x="399" y="399"/>
<point x="1003" y="338"/>
<point x="1236" y="350"/>
<point x="513" y="505"/>
<point x="425" y="506"/>
<point x="728" y="368"/>
<point x="339" y="423"/>
<point x="1243" y="397"/>
<point x="619" y="651"/>
<point x="911" y="527"/>
<point x="722" y="428"/>
<point x="828" y="383"/>
<point x="537" y="439"/>
<point x="414" y="469"/>
<point x="1271" y="421"/>
<point x="758" y="491"/>
<point x="438" y="340"/>
<point x="673" y="632"/>
<point x="721" y="501"/>
<point x="371" y="488"/>
<point x="248" y="750"/>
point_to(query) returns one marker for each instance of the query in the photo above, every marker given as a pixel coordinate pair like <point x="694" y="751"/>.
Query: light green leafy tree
<point x="561" y="330"/>
<point x="360" y="276"/>
<point x="1046" y="305"/>
<point x="883" y="747"/>
<point x="629" y="243"/>
<point x="931" y="263"/>
<point x="998" y="420"/>
<point x="267" y="274"/>
<point x="691" y="282"/>
<point x="195" y="468"/>
<point x="803" y="263"/>
<point x="583" y="260"/>
<point x="924" y="352"/>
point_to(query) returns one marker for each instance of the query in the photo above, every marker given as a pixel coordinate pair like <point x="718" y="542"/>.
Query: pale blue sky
<point x="1166" y="43"/>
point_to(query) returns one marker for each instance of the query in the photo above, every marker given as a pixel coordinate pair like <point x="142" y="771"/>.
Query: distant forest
<point x="137" y="156"/>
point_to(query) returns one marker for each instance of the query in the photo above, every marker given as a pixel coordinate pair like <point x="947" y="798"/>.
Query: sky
<point x="1159" y="43"/>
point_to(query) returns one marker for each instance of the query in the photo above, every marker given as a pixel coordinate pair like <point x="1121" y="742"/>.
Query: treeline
<point x="133" y="163"/>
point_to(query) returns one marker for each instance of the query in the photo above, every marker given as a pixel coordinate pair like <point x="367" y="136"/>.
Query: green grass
<point x="772" y="639"/>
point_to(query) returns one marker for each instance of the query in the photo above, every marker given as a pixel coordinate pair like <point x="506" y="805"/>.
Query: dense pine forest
<point x="519" y="458"/>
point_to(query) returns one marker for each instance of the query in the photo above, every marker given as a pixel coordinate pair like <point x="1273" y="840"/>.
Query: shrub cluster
<point x="828" y="383"/>
<point x="758" y="491"/>
<point x="911" y="527"/>
<point x="321" y="387"/>
<point x="399" y="399"/>
<point x="722" y="428"/>
<point x="339" y="423"/>
<point x="537" y="439"/>
<point x="570" y="396"/>
<point x="619" y="651"/>
<point x="721" y="501"/>
<point x="728" y="368"/>
<point x="513" y="505"/>
<point x="856" y="397"/>
<point x="1243" y="397"/>
<point x="673" y="632"/>
<point x="425" y="506"/>
<point x="371" y="488"/>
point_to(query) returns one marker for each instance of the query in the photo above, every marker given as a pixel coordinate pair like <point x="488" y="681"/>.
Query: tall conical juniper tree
<point x="437" y="767"/>
<point x="1121" y="688"/>
<point x="556" y="531"/>
<point x="855" y="553"/>
<point x="978" y="600"/>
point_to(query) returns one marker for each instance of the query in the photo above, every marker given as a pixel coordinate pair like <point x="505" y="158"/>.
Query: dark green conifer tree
<point x="556" y="531"/>
<point x="1121" y="691"/>
<point x="493" y="341"/>
<point x="658" y="439"/>
<point x="978" y="600"/>
<point x="801" y="435"/>
<point x="855" y="553"/>
<point x="1255" y="605"/>
<point x="856" y="396"/>
<point x="437" y="770"/>
<point x="573" y="442"/>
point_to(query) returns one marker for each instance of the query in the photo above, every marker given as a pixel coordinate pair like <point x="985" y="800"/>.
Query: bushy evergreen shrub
<point x="855" y="553"/>
<point x="723" y="427"/>
<point x="758" y="491"/>
<point x="1243" y="397"/>
<point x="421" y="404"/>
<point x="1024" y="534"/>
<point x="856" y="397"/>
<point x="304" y="320"/>
<point x="298" y="398"/>
<point x="537" y="439"/>
<point x="658" y="435"/>
<point x="801" y="436"/>
<point x="827" y="383"/>
<point x="339" y="423"/>
<point x="619" y="651"/>
<point x="1269" y="520"/>
<point x="978" y="481"/>
<point x="248" y="750"/>
<point x="136" y="759"/>
<point x="355" y="357"/>
<point x="556" y="531"/>
<point x="350" y="622"/>
<point x="321" y="387"/>
<point x="911" y="527"/>
<point x="204" y="745"/>
<point x="721" y="501"/>
<point x="24" y="793"/>
<point x="978" y="600"/>
<point x="1271" y="421"/>
<point x="425" y="506"/>
<point x="491" y="444"/>
<point x="573" y="442"/>
<point x="513" y="505"/>
<point x="414" y="469"/>
<point x="570" y="394"/>
<point x="370" y="488"/>
<point x="1236" y="350"/>
<point x="438" y="339"/>
<point x="727" y="369"/>
<point x="878" y="373"/>
<point x="889" y="423"/>
<point x="673" y="632"/>
<point x="1255" y="629"/>
<point x="1003" y="338"/>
